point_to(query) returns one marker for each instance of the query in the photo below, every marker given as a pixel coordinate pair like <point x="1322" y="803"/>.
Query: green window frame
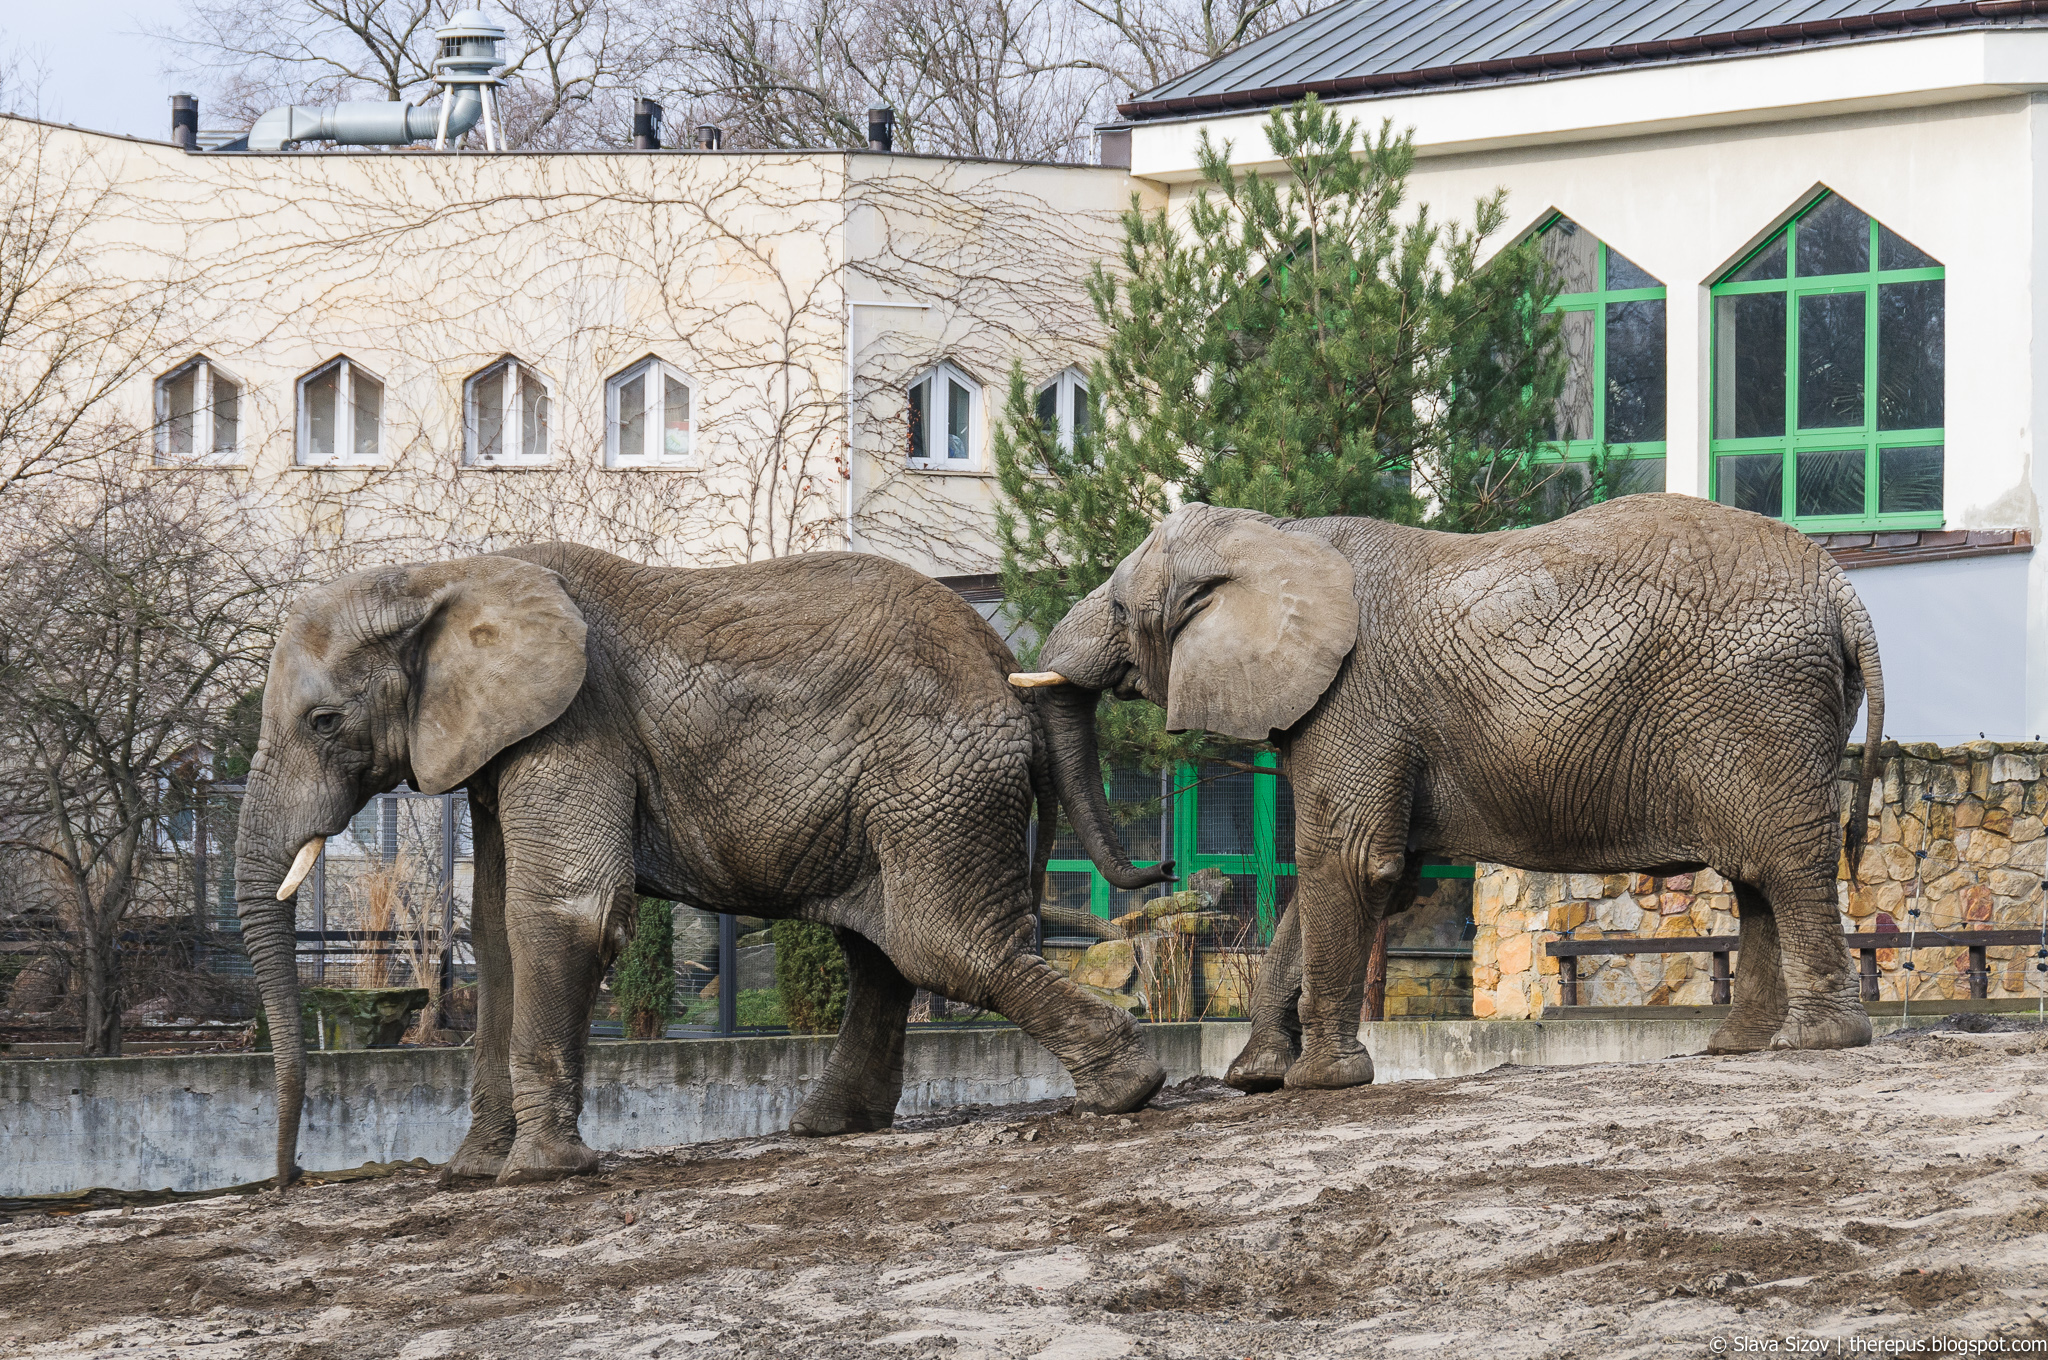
<point x="1841" y="458"/>
<point x="1621" y="303"/>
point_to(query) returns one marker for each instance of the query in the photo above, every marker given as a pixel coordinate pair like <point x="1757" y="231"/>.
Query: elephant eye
<point x="326" y="724"/>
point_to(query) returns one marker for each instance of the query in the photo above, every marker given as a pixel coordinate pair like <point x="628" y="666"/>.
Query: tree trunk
<point x="101" y="963"/>
<point x="1376" y="975"/>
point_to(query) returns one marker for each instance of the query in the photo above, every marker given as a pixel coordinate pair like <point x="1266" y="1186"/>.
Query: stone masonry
<point x="1976" y="811"/>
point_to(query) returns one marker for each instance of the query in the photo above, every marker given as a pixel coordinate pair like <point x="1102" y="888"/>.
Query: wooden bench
<point x="1568" y="952"/>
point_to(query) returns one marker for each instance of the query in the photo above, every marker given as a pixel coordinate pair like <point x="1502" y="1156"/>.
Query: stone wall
<point x="1976" y="811"/>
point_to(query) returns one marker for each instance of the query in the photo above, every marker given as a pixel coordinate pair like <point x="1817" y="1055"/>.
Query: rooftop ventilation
<point x="469" y="56"/>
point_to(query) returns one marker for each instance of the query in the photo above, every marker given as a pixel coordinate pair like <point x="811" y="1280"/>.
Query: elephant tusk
<point x="1037" y="679"/>
<point x="301" y="866"/>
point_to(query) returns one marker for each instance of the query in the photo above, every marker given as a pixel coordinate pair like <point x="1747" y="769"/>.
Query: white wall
<point x="1952" y="637"/>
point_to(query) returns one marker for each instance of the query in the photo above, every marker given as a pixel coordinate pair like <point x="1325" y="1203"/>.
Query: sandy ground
<point x="1898" y="1192"/>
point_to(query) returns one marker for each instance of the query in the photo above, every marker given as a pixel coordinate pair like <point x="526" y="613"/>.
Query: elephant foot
<point x="822" y="1117"/>
<point x="1331" y="1072"/>
<point x="533" y="1160"/>
<point x="1264" y="1063"/>
<point x="1831" y="1027"/>
<point x="1121" y="1090"/>
<point x="478" y="1159"/>
<point x="1743" y="1034"/>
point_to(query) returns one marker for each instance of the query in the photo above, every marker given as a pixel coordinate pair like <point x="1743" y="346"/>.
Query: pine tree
<point x="1296" y="347"/>
<point x="645" y="980"/>
<point x="810" y="973"/>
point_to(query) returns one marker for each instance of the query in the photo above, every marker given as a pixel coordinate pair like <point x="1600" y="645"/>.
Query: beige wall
<point x="737" y="269"/>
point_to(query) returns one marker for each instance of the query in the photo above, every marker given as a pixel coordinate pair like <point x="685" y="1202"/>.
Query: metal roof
<point x="1361" y="46"/>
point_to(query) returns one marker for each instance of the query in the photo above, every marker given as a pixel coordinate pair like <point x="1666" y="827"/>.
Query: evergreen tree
<point x="1295" y="347"/>
<point x="810" y="973"/>
<point x="645" y="980"/>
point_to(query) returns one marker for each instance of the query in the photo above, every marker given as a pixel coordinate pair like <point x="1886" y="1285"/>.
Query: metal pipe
<point x="709" y="137"/>
<point x="646" y="125"/>
<point x="881" y="129"/>
<point x="728" y="973"/>
<point x="469" y="54"/>
<point x="185" y="121"/>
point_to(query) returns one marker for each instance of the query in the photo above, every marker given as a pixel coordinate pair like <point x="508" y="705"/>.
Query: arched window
<point x="944" y="423"/>
<point x="1611" y="315"/>
<point x="506" y="416"/>
<point x="198" y="414"/>
<point x="648" y="417"/>
<point x="1828" y="376"/>
<point x="1063" y="406"/>
<point x="341" y="416"/>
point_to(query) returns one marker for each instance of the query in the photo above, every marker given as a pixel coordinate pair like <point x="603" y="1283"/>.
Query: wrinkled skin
<point x="1657" y="684"/>
<point x="826" y="737"/>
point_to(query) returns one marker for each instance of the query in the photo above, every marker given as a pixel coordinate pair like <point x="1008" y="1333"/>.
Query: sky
<point x="97" y="69"/>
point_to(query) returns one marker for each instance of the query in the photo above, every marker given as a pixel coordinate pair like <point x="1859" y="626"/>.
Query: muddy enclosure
<point x="1897" y="1190"/>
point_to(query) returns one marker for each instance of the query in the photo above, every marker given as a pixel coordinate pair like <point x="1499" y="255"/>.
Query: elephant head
<point x="419" y="673"/>
<point x="1230" y="622"/>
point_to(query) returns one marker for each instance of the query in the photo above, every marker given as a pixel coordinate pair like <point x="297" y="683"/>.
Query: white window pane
<point x="181" y="402"/>
<point x="1080" y="411"/>
<point x="368" y="410"/>
<point x="631" y="426"/>
<point x="675" y="419"/>
<point x="533" y="416"/>
<point x="227" y="415"/>
<point x="957" y="406"/>
<point x="490" y="414"/>
<point x="323" y="408"/>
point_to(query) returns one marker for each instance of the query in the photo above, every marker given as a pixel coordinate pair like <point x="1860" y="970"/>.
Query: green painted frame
<point x="1790" y="444"/>
<point x="1596" y="302"/>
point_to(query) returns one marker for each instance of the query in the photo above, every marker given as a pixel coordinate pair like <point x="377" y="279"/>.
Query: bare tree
<point x="1145" y="43"/>
<point x="134" y="620"/>
<point x="75" y="325"/>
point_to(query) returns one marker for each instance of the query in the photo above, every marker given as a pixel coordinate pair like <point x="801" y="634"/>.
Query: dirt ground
<point x="1897" y="1192"/>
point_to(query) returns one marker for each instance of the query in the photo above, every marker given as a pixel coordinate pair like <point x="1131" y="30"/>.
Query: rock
<point x="1212" y="884"/>
<point x="1675" y="904"/>
<point x="1515" y="953"/>
<point x="1173" y="904"/>
<point x="1620" y="914"/>
<point x="1107" y="966"/>
<point x="1193" y="923"/>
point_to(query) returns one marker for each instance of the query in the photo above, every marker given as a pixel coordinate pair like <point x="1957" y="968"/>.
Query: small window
<point x="649" y="417"/>
<point x="198" y="414"/>
<point x="1063" y="407"/>
<point x="341" y="416"/>
<point x="945" y="420"/>
<point x="506" y="413"/>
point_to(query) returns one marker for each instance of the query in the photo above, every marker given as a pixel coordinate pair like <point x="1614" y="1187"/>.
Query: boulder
<point x="1107" y="966"/>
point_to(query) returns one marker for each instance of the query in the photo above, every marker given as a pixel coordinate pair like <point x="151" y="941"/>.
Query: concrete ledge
<point x="193" y="1123"/>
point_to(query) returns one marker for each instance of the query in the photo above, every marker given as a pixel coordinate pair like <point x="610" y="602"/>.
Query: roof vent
<point x="469" y="55"/>
<point x="646" y="125"/>
<point x="709" y="138"/>
<point x="881" y="129"/>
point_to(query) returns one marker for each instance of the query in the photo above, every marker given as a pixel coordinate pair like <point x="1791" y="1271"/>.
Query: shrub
<point x="810" y="973"/>
<point x="645" y="983"/>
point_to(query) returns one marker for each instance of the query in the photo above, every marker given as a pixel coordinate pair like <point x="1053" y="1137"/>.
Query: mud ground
<point x="1894" y="1192"/>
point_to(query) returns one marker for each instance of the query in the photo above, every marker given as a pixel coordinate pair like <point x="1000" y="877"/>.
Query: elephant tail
<point x="1859" y="645"/>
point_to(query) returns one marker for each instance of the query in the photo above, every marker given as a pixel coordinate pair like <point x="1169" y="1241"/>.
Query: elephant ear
<point x="1272" y="620"/>
<point x="498" y="656"/>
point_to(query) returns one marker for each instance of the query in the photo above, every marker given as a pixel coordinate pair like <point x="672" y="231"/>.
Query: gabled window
<point x="198" y="414"/>
<point x="648" y="417"/>
<point x="1063" y="407"/>
<point x="1829" y="368"/>
<point x="506" y="415"/>
<point x="944" y="421"/>
<point x="341" y="416"/>
<point x="1611" y="317"/>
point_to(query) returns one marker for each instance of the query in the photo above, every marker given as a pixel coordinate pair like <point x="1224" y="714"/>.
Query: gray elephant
<point x="1656" y="684"/>
<point x="826" y="737"/>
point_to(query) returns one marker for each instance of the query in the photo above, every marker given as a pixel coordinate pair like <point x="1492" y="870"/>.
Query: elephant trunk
<point x="1069" y="713"/>
<point x="264" y="853"/>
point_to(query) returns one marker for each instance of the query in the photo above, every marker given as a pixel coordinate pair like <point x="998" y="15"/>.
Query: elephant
<point x="1655" y="684"/>
<point x="826" y="737"/>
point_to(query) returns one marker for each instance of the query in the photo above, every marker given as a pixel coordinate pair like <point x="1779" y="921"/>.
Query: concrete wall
<point x="202" y="1122"/>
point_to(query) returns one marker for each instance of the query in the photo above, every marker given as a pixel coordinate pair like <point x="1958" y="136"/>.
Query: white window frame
<point x="935" y="414"/>
<point x="344" y="418"/>
<point x="1063" y="384"/>
<point x="653" y="452"/>
<point x="472" y="436"/>
<point x="206" y="447"/>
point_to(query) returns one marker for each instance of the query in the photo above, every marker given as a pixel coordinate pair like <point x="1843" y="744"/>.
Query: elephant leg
<point x="1275" y="1040"/>
<point x="1759" y="993"/>
<point x="565" y="909"/>
<point x="1097" y="1043"/>
<point x="863" y="1078"/>
<point x="491" y="1122"/>
<point x="1823" y="1006"/>
<point x="1341" y="900"/>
